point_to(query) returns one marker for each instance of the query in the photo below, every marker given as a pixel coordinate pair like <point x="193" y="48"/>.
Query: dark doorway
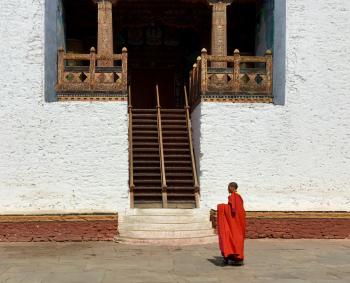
<point x="163" y="40"/>
<point x="143" y="84"/>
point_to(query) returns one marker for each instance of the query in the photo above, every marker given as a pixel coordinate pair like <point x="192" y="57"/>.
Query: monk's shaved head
<point x="232" y="187"/>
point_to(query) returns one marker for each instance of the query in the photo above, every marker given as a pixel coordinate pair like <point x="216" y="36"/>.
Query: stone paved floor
<point x="276" y="261"/>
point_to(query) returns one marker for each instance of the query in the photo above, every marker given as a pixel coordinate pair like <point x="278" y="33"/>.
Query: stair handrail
<point x="193" y="160"/>
<point x="161" y="152"/>
<point x="131" y="154"/>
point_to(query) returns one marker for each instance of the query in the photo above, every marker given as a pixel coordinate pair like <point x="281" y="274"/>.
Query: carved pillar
<point x="219" y="29"/>
<point x="105" y="31"/>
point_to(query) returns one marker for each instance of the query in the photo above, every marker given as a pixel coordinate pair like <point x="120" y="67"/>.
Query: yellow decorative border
<point x="58" y="218"/>
<point x="239" y="100"/>
<point x="297" y="214"/>
<point x="92" y="98"/>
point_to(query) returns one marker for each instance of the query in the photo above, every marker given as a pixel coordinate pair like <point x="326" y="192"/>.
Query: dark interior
<point x="163" y="38"/>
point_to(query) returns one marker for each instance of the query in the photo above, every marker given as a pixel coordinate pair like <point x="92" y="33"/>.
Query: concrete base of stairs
<point x="165" y="227"/>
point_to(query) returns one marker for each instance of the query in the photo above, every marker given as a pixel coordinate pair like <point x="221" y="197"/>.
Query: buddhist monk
<point x="231" y="227"/>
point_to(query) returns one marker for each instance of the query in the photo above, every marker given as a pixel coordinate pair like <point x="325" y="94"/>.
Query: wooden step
<point x="143" y="138"/>
<point x="177" y="181"/>
<point x="145" y="149"/>
<point x="142" y="144"/>
<point x="154" y="181"/>
<point x="139" y="155"/>
<point x="177" y="162"/>
<point x="140" y="188"/>
<point x="176" y="169"/>
<point x="179" y="175"/>
<point x="175" y="144"/>
<point x="147" y="174"/>
<point x="180" y="122"/>
<point x="173" y="116"/>
<point x="144" y="121"/>
<point x="175" y="110"/>
<point x="183" y="156"/>
<point x="144" y="110"/>
<point x="139" y="132"/>
<point x="141" y="168"/>
<point x="146" y="162"/>
<point x="181" y="138"/>
<point x="170" y="188"/>
<point x="182" y="133"/>
<point x="170" y="127"/>
<point x="144" y="127"/>
<point x="174" y="194"/>
<point x="142" y="194"/>
<point x="175" y="150"/>
<point x="137" y="116"/>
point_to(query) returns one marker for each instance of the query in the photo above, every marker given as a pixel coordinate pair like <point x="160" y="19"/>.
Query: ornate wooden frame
<point x="244" y="79"/>
<point x="92" y="82"/>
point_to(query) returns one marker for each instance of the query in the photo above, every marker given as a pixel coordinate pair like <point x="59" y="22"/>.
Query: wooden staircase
<point x="162" y="165"/>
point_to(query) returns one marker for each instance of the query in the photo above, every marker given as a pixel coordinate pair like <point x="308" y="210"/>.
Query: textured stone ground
<point x="278" y="261"/>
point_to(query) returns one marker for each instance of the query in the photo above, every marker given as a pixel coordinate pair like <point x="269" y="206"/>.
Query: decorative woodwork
<point x="219" y="29"/>
<point x="245" y="79"/>
<point x="161" y="152"/>
<point x="92" y="82"/>
<point x="105" y="32"/>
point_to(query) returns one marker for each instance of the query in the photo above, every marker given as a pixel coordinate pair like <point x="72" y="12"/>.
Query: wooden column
<point x="105" y="32"/>
<point x="219" y="30"/>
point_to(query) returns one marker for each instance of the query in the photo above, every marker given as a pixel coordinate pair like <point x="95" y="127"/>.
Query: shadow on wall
<point x="279" y="47"/>
<point x="196" y="129"/>
<point x="54" y="39"/>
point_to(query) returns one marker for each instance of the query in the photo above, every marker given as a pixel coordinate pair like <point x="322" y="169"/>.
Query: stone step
<point x="204" y="225"/>
<point x="166" y="212"/>
<point x="165" y="234"/>
<point x="169" y="242"/>
<point x="160" y="219"/>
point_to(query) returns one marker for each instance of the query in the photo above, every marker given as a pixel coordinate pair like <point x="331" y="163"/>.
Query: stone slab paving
<point x="285" y="261"/>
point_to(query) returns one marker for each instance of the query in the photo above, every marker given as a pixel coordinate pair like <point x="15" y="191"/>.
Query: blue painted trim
<point x="279" y="63"/>
<point x="50" y="69"/>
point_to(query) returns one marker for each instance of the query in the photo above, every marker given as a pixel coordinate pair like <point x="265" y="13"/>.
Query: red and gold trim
<point x="296" y="225"/>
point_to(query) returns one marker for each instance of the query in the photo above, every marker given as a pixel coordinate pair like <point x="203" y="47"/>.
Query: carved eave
<point x="98" y="1"/>
<point x="213" y="2"/>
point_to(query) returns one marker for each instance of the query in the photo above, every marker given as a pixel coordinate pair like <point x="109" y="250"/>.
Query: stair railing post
<point x="161" y="152"/>
<point x="193" y="160"/>
<point x="204" y="71"/>
<point x="60" y="65"/>
<point x="131" y="157"/>
<point x="92" y="68"/>
<point x="124" y="69"/>
<point x="236" y="70"/>
<point x="269" y="63"/>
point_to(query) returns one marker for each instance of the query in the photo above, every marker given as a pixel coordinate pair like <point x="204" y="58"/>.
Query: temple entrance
<point x="163" y="40"/>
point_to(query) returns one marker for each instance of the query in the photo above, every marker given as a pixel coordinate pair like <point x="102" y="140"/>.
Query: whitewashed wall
<point x="72" y="157"/>
<point x="292" y="157"/>
<point x="54" y="157"/>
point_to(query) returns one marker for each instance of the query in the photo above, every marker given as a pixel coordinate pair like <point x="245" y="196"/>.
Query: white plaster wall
<point x="54" y="157"/>
<point x="292" y="157"/>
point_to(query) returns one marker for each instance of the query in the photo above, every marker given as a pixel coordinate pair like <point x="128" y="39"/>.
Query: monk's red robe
<point x="231" y="226"/>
